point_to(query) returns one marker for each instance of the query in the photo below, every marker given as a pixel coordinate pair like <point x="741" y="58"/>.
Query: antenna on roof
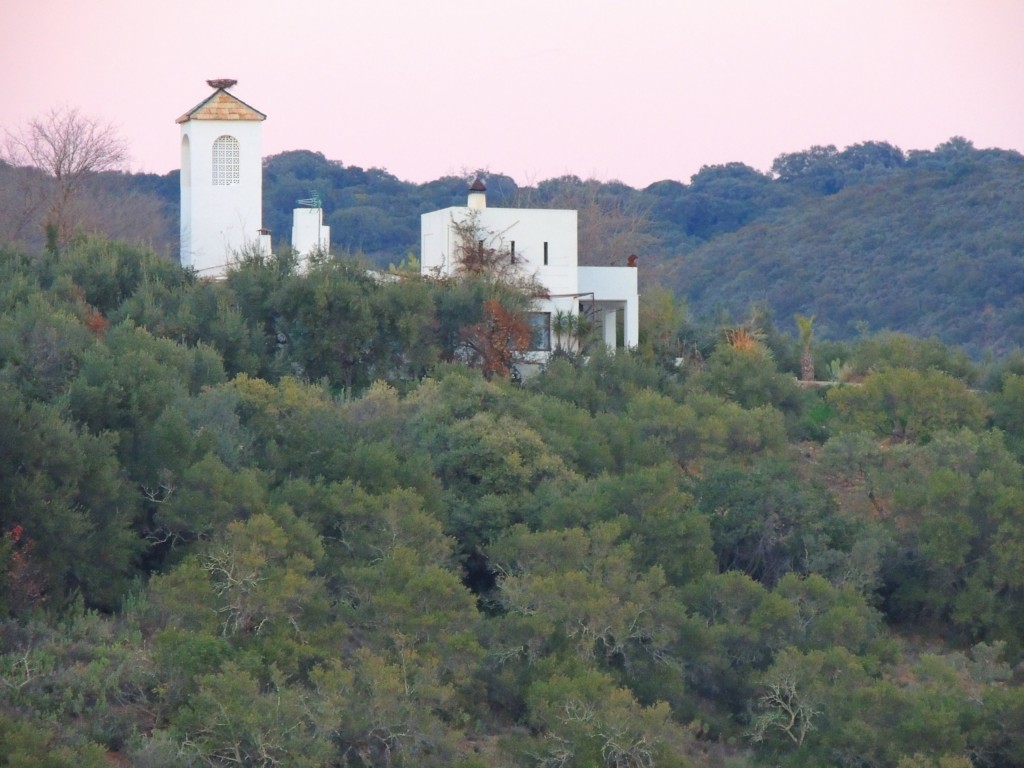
<point x="224" y="82"/>
<point x="313" y="201"/>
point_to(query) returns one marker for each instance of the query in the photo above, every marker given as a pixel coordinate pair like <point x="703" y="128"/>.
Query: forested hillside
<point x="933" y="246"/>
<point x="285" y="520"/>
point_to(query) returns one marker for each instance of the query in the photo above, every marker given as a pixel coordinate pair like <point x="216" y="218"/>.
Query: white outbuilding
<point x="310" y="236"/>
<point x="221" y="182"/>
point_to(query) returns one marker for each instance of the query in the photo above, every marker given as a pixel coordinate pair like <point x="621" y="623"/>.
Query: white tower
<point x="221" y="181"/>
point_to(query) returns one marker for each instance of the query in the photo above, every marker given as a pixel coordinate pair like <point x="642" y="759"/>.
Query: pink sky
<point x="635" y="90"/>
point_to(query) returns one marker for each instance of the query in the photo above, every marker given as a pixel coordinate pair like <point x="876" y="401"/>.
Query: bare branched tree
<point x="70" y="147"/>
<point x="483" y="253"/>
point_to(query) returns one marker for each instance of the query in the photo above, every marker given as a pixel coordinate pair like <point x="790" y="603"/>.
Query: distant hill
<point x="933" y="247"/>
<point x="368" y="210"/>
<point x="928" y="242"/>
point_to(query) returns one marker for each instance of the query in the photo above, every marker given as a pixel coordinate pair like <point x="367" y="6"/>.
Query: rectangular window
<point x="512" y="250"/>
<point x="545" y="253"/>
<point x="540" y="331"/>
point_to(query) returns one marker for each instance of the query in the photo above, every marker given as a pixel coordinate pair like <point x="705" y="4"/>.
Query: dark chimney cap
<point x="477" y="186"/>
<point x="224" y="82"/>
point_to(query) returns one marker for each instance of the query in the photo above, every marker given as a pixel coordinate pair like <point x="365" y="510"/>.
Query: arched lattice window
<point x="225" y="161"/>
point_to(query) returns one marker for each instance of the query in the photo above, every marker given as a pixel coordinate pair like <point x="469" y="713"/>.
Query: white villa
<point x="222" y="214"/>
<point x="542" y="243"/>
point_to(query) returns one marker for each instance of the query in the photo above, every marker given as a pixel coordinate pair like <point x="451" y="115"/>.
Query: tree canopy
<point x="274" y="520"/>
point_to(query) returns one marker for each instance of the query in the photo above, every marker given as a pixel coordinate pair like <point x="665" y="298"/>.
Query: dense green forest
<point x="929" y="243"/>
<point x="285" y="519"/>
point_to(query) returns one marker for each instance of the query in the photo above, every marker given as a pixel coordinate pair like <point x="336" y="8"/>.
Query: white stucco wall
<point x="218" y="222"/>
<point x="608" y="283"/>
<point x="528" y="228"/>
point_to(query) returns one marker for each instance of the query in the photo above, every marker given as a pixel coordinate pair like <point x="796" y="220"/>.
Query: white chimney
<point x="477" y="195"/>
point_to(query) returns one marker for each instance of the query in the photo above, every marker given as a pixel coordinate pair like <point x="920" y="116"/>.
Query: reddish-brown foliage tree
<point x="499" y="339"/>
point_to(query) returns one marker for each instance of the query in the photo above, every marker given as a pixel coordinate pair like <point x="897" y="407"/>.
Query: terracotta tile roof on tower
<point x="221" y="106"/>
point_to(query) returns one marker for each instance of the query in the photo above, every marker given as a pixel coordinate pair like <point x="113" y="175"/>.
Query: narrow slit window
<point x="225" y="161"/>
<point x="512" y="249"/>
<point x="545" y="253"/>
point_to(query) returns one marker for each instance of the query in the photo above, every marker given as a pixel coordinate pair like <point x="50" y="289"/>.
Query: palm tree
<point x="806" y="327"/>
<point x="572" y="332"/>
<point x="563" y="328"/>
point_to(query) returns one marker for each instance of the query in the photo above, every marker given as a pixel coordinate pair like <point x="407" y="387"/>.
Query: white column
<point x="631" y="324"/>
<point x="609" y="326"/>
